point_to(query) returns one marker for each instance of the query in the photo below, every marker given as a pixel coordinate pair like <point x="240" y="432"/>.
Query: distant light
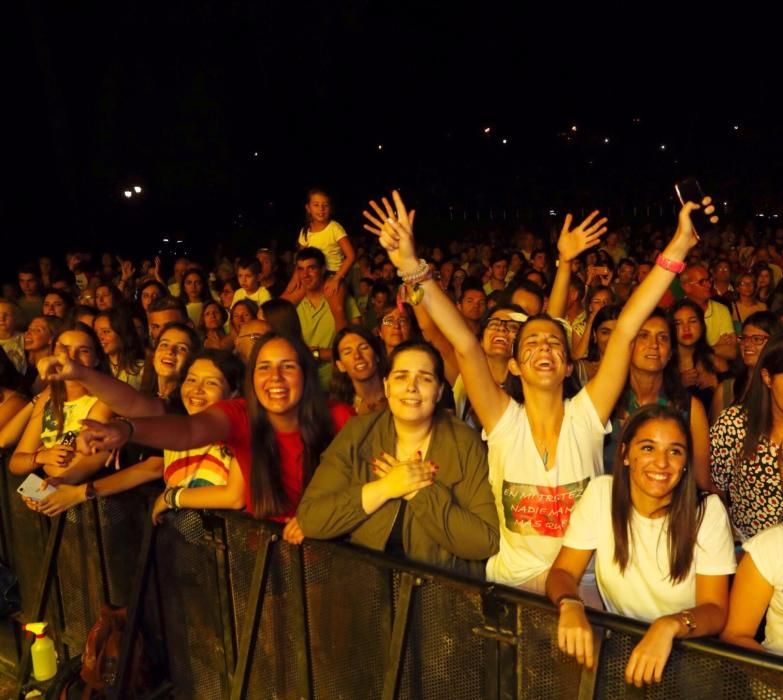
<point x="774" y="216"/>
<point x="725" y="204"/>
<point x="505" y="140"/>
<point x="573" y="127"/>
<point x="128" y="193"/>
<point x="637" y="120"/>
<point x="137" y="189"/>
<point x="487" y="129"/>
<point x="760" y="215"/>
<point x="552" y="212"/>
<point x="736" y="127"/>
<point x="662" y="147"/>
<point x="165" y="240"/>
<point x="180" y="241"/>
<point x="606" y="140"/>
<point x="380" y="146"/>
<point x="255" y="154"/>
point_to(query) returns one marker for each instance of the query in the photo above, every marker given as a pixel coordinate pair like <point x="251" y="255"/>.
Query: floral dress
<point x="754" y="486"/>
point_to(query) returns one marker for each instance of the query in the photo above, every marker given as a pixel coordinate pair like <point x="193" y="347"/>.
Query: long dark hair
<point x="702" y="352"/>
<point x="684" y="513"/>
<point x="341" y="387"/>
<point x="675" y="392"/>
<point x="205" y="294"/>
<point x="131" y="349"/>
<point x="268" y="497"/>
<point x="757" y="401"/>
<point x="57" y="388"/>
<point x="227" y="362"/>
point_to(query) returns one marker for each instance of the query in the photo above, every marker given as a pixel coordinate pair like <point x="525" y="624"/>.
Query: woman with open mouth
<point x="204" y="477"/>
<point x="542" y="453"/>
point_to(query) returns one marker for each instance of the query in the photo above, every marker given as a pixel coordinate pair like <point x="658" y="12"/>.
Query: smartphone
<point x="689" y="190"/>
<point x="30" y="488"/>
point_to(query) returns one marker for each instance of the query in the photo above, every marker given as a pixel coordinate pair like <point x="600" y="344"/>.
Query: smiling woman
<point x="410" y="480"/>
<point x="662" y="554"/>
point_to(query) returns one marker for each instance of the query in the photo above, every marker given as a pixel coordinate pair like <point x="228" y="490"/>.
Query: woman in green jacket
<point x="409" y="480"/>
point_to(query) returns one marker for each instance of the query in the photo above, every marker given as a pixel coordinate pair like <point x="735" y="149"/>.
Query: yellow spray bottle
<point x="43" y="654"/>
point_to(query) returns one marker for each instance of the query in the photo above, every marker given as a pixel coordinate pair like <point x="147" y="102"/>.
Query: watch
<point x="686" y="617"/>
<point x="89" y="491"/>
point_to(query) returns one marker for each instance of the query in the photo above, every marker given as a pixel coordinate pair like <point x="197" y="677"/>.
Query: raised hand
<point x="686" y="235"/>
<point x="156" y="270"/>
<point x="127" y="269"/>
<point x="574" y="241"/>
<point x="395" y="230"/>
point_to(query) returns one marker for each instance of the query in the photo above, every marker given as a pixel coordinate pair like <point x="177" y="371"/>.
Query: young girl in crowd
<point x="149" y="291"/>
<point x="277" y="432"/>
<point x="212" y="326"/>
<point x="121" y="344"/>
<point x="49" y="439"/>
<point x="409" y="479"/>
<point x="541" y="454"/>
<point x="701" y="370"/>
<point x="662" y="555"/>
<point x="745" y="447"/>
<point x="204" y="477"/>
<point x="195" y="293"/>
<point x="328" y="236"/>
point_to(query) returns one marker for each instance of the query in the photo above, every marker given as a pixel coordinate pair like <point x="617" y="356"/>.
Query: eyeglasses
<point x="250" y="336"/>
<point x="702" y="281"/>
<point x="753" y="339"/>
<point x="502" y="324"/>
<point x="402" y="321"/>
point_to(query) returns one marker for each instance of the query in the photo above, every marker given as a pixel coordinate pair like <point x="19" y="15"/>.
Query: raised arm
<point x="396" y="236"/>
<point x="120" y="397"/>
<point x="433" y="334"/>
<point x="570" y="244"/>
<point x="604" y="389"/>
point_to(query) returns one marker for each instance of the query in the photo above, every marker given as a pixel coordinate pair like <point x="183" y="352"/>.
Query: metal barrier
<point x="237" y="613"/>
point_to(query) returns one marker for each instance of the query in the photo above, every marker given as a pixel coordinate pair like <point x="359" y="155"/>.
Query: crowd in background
<point x="594" y="414"/>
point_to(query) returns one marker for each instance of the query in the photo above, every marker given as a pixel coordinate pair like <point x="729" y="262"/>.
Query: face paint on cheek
<point x="526" y="356"/>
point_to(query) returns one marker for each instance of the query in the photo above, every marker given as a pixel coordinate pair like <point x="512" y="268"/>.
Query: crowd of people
<point x="595" y="415"/>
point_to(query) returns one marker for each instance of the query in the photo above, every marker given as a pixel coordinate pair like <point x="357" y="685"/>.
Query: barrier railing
<point x="232" y="611"/>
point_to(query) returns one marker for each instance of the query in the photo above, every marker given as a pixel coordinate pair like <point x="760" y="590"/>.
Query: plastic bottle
<point x="43" y="654"/>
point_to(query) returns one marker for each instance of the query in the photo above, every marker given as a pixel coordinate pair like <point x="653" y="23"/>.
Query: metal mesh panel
<point x="687" y="674"/>
<point x="122" y="520"/>
<point x="349" y="618"/>
<point x="79" y="576"/>
<point x="545" y="671"/>
<point x="443" y="658"/>
<point x="187" y="580"/>
<point x="280" y="639"/>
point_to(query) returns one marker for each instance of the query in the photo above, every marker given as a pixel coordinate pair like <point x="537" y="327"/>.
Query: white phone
<point x="30" y="488"/>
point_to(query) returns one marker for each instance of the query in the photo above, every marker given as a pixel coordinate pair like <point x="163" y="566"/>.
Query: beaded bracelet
<point x="420" y="274"/>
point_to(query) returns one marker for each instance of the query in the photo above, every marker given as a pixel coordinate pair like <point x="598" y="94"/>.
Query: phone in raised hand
<point x="689" y="190"/>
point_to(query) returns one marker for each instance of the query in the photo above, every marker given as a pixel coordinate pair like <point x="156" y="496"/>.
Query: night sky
<point x="179" y="97"/>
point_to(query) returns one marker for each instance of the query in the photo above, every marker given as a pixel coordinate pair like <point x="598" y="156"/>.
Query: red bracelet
<point x="670" y="265"/>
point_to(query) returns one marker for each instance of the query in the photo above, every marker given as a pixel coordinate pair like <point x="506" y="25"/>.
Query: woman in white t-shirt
<point x="542" y="453"/>
<point x="662" y="554"/>
<point x="758" y="589"/>
<point x="328" y="236"/>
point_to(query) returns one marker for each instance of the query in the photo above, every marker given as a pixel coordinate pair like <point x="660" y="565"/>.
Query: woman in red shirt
<point x="277" y="432"/>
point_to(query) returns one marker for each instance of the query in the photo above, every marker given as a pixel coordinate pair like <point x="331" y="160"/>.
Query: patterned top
<point x="73" y="414"/>
<point x="202" y="466"/>
<point x="753" y="486"/>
